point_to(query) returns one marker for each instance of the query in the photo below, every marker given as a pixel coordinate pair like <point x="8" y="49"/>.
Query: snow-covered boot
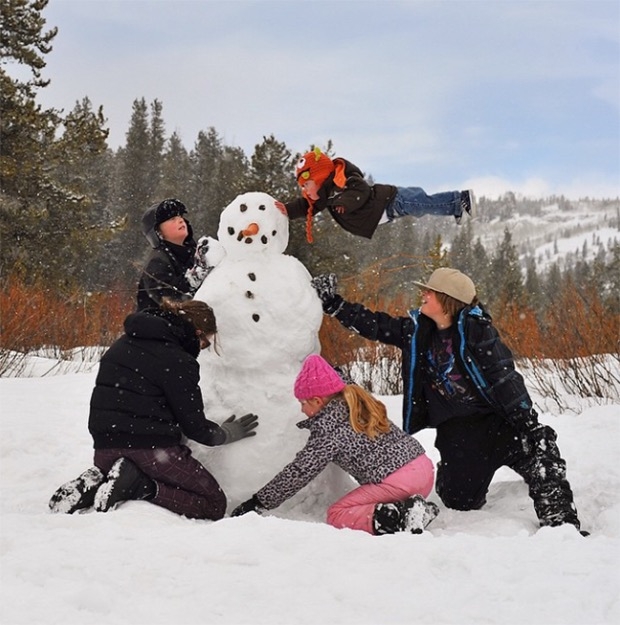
<point x="411" y="515"/>
<point x="418" y="514"/>
<point x="78" y="493"/>
<point x="125" y="482"/>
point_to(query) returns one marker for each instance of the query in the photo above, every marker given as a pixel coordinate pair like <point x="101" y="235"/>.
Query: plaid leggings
<point x="184" y="485"/>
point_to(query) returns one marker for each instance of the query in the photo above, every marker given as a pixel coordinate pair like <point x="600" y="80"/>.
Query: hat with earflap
<point x="317" y="379"/>
<point x="314" y="166"/>
<point x="317" y="167"/>
<point x="157" y="214"/>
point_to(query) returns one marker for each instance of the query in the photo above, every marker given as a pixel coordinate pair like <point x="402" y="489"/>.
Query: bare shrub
<point x="34" y="317"/>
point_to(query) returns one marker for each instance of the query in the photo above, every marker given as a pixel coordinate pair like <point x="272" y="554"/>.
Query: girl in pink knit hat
<point x="350" y="427"/>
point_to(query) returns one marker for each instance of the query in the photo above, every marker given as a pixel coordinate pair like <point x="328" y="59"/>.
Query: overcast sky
<point x="497" y="95"/>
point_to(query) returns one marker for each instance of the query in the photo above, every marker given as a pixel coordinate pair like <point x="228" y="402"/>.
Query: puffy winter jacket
<point x="363" y="204"/>
<point x="482" y="356"/>
<point x="164" y="274"/>
<point x="146" y="393"/>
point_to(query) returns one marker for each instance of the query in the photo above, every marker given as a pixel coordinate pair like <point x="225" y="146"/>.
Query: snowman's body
<point x="268" y="317"/>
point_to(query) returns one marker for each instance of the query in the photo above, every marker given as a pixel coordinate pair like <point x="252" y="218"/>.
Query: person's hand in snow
<point x="236" y="430"/>
<point x="251" y="505"/>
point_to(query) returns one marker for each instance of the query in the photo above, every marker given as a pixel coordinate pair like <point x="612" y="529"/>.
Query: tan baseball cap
<point x="451" y="282"/>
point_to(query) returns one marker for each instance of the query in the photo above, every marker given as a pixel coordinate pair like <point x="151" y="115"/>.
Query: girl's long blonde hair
<point x="367" y="414"/>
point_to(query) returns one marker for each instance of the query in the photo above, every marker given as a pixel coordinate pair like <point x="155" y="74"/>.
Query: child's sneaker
<point x="468" y="205"/>
<point x="418" y="513"/>
<point x="125" y="482"/>
<point x="78" y="493"/>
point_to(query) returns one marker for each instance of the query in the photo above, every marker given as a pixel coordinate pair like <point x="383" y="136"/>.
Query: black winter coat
<point x="164" y="274"/>
<point x="364" y="204"/>
<point x="483" y="358"/>
<point x="146" y="394"/>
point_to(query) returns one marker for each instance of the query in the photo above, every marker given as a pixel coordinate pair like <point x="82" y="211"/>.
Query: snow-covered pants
<point x="356" y="509"/>
<point x="473" y="449"/>
<point x="183" y="484"/>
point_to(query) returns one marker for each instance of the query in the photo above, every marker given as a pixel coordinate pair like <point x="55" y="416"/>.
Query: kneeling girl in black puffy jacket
<point x="146" y="399"/>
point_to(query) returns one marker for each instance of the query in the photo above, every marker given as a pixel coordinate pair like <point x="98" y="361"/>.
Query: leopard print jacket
<point x="332" y="439"/>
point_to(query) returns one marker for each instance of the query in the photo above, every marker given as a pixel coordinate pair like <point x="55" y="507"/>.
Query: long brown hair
<point x="367" y="414"/>
<point x="198" y="313"/>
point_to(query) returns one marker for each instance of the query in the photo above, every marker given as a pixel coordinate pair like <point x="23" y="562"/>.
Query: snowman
<point x="268" y="318"/>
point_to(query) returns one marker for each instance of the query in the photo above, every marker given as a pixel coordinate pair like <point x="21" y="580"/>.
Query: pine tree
<point x="175" y="176"/>
<point x="272" y="169"/>
<point x="506" y="274"/>
<point x="203" y="195"/>
<point x="44" y="206"/>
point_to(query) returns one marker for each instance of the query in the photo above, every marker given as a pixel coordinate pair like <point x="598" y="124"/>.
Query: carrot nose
<point x="250" y="230"/>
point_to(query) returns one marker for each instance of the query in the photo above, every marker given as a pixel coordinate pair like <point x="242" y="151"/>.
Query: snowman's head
<point x="252" y="224"/>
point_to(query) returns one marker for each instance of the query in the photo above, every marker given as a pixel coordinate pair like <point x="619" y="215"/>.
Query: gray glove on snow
<point x="236" y="430"/>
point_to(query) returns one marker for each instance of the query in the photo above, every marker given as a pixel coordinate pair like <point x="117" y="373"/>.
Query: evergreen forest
<point x="71" y="248"/>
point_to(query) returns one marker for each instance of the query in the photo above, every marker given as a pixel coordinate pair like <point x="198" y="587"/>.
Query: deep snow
<point x="141" y="564"/>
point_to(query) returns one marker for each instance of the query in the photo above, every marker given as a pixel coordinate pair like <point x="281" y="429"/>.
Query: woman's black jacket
<point x="146" y="393"/>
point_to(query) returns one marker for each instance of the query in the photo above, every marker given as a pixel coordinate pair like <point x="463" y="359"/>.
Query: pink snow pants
<point x="355" y="510"/>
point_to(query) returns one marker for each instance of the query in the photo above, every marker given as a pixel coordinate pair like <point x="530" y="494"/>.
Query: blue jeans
<point x="414" y="201"/>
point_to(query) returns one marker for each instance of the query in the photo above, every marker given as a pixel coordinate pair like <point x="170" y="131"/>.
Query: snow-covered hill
<point x="554" y="231"/>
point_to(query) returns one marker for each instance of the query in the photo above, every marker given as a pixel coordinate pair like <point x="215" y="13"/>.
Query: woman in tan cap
<point x="460" y="378"/>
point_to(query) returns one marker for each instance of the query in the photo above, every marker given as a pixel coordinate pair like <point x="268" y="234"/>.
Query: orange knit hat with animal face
<point x="317" y="167"/>
<point x="314" y="166"/>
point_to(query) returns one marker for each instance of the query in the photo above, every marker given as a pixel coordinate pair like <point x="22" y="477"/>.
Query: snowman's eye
<point x="243" y="208"/>
<point x="231" y="230"/>
<point x="262" y="207"/>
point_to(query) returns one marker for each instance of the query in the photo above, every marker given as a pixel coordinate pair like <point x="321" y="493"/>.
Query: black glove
<point x="325" y="286"/>
<point x="251" y="505"/>
<point x="236" y="430"/>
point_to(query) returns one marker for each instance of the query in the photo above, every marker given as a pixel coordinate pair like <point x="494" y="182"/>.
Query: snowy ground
<point x="141" y="564"/>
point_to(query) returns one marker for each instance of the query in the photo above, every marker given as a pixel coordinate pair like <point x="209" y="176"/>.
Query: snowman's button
<point x="255" y="317"/>
<point x="249" y="294"/>
<point x="252" y="277"/>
